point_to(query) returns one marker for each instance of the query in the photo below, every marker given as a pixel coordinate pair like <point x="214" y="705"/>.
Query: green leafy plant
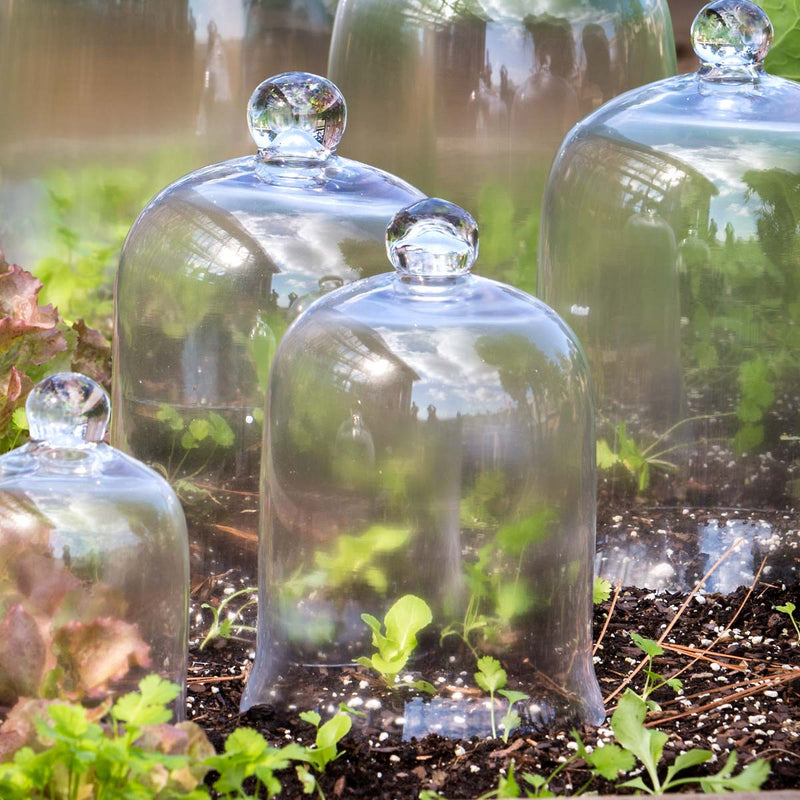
<point x="329" y="734"/>
<point x="782" y="57"/>
<point x="653" y="681"/>
<point x="497" y="592"/>
<point x="224" y="619"/>
<point x="647" y="745"/>
<point x="601" y="591"/>
<point x="789" y="608"/>
<point x="68" y="754"/>
<point x="248" y="755"/>
<point x="492" y="678"/>
<point x="205" y="433"/>
<point x="403" y="621"/>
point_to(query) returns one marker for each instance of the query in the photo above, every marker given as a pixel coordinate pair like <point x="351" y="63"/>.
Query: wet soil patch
<point x="738" y="657"/>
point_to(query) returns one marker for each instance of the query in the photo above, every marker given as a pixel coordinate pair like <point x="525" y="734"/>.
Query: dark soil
<point x="741" y="662"/>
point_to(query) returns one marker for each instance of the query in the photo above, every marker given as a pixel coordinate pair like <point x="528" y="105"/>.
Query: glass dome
<point x="470" y="100"/>
<point x="211" y="274"/>
<point x="94" y="563"/>
<point x="669" y="242"/>
<point x="430" y="437"/>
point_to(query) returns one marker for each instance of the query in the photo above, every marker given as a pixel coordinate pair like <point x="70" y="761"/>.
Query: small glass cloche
<point x="94" y="561"/>
<point x="211" y="274"/>
<point x="430" y="467"/>
<point x="670" y="244"/>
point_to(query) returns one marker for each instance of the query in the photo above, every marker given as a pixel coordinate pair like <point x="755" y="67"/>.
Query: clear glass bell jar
<point x="430" y="462"/>
<point x="94" y="560"/>
<point x="470" y="100"/>
<point x="211" y="274"/>
<point x="670" y="244"/>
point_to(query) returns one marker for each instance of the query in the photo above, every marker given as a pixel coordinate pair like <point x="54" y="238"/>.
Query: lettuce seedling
<point x="403" y="621"/>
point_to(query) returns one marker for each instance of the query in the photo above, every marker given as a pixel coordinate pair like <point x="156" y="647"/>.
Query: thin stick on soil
<point x="674" y="620"/>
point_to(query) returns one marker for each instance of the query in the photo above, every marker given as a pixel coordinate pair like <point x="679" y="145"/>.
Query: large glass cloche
<point x="470" y="100"/>
<point x="430" y="468"/>
<point x="210" y="276"/>
<point x="94" y="560"/>
<point x="670" y="241"/>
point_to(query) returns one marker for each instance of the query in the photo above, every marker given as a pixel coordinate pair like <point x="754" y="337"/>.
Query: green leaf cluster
<point x="491" y="677"/>
<point x="403" y="621"/>
<point x="329" y="734"/>
<point x="653" y="680"/>
<point x="784" y="55"/>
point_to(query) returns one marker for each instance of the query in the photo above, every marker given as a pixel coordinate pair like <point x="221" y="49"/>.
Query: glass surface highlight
<point x="430" y="433"/>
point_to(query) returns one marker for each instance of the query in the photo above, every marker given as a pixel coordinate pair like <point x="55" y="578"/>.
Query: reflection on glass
<point x="494" y="83"/>
<point x="670" y="246"/>
<point x="212" y="273"/>
<point x="462" y="474"/>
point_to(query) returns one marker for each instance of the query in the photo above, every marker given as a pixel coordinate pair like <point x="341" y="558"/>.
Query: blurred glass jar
<point x="470" y="101"/>
<point x="669" y="242"/>
<point x="430" y="433"/>
<point x="94" y="563"/>
<point x="211" y="274"/>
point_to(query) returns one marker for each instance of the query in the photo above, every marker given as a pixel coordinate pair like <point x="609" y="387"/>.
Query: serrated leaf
<point x="627" y="723"/>
<point x="148" y="706"/>
<point x="788" y="607"/>
<point x="606" y="457"/>
<point x="490" y="676"/>
<point x="601" y="591"/>
<point x="610" y="760"/>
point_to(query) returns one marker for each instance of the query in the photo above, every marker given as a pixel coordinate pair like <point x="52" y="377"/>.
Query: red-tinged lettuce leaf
<point x="19" y="728"/>
<point x="97" y="653"/>
<point x="43" y="581"/>
<point x="92" y="354"/>
<point x="28" y="331"/>
<point x="183" y="739"/>
<point x="23" y="655"/>
<point x="784" y="56"/>
<point x="14" y="388"/>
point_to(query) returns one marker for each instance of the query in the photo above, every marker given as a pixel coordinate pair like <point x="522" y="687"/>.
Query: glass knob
<point x="68" y="410"/>
<point x="731" y="33"/>
<point x="296" y="116"/>
<point x="432" y="238"/>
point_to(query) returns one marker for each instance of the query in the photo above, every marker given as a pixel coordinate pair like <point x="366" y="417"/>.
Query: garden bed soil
<point x="738" y="657"/>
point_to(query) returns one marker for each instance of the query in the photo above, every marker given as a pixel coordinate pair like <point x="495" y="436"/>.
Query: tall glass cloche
<point x="211" y="274"/>
<point x="493" y="84"/>
<point x="428" y="498"/>
<point x="94" y="559"/>
<point x="670" y="240"/>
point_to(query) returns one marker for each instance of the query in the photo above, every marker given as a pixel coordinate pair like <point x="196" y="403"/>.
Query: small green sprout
<point x="225" y="627"/>
<point x="789" y="608"/>
<point x="653" y="680"/>
<point x="492" y="678"/>
<point x="403" y="621"/>
<point x="328" y="737"/>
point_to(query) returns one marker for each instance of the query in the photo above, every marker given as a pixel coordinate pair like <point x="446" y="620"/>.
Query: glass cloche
<point x="493" y="85"/>
<point x="429" y="481"/>
<point x="670" y="243"/>
<point x="211" y="273"/>
<point x="94" y="560"/>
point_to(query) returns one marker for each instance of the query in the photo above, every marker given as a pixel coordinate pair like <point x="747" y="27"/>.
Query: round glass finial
<point x="432" y="238"/>
<point x="68" y="410"/>
<point x="296" y="116"/>
<point x="731" y="33"/>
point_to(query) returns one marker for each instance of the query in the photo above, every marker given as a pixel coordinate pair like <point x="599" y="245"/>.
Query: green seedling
<point x="403" y="621"/>
<point x="492" y="678"/>
<point x="247" y="755"/>
<point x="224" y="627"/>
<point x="329" y="735"/>
<point x="647" y="745"/>
<point x="789" y="608"/>
<point x="601" y="591"/>
<point x="653" y="680"/>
